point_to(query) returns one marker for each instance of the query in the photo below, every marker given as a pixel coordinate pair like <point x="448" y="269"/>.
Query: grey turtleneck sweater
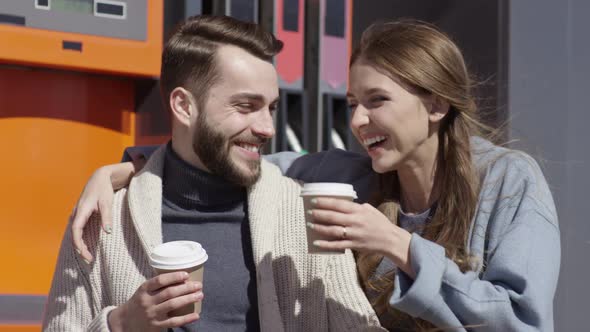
<point x="199" y="206"/>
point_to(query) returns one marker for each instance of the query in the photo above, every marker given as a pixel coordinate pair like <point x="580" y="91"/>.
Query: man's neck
<point x="184" y="150"/>
<point x="187" y="186"/>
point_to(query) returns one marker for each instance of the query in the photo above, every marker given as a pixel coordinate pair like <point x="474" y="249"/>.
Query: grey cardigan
<point x="514" y="234"/>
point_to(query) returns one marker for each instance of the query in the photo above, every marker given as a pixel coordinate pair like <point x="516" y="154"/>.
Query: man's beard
<point x="213" y="148"/>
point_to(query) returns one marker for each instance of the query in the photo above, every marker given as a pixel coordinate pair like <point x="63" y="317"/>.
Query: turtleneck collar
<point x="188" y="186"/>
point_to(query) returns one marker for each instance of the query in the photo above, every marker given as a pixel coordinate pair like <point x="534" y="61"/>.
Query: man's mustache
<point x="252" y="140"/>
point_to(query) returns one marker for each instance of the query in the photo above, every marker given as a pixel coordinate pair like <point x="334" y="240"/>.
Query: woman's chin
<point x="381" y="167"/>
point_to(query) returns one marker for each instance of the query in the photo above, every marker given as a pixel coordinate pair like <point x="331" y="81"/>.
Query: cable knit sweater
<point x="296" y="291"/>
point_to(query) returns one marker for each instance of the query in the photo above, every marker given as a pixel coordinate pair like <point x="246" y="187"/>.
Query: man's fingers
<point x="105" y="214"/>
<point x="178" y="321"/>
<point x="178" y="302"/>
<point x="167" y="293"/>
<point x="164" y="280"/>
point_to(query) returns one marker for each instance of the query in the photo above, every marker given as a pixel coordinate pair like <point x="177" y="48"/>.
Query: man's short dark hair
<point x="188" y="59"/>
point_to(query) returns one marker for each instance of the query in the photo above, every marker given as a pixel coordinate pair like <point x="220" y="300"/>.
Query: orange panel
<point x="43" y="47"/>
<point x="57" y="128"/>
<point x="20" y="328"/>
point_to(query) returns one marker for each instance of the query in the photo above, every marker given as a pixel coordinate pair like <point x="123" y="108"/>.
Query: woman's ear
<point x="182" y="105"/>
<point x="438" y="109"/>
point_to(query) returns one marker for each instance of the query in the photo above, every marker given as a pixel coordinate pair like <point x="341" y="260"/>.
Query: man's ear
<point x="183" y="105"/>
<point x="438" y="109"/>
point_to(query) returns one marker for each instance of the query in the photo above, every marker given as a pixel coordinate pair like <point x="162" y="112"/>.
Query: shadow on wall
<point x="79" y="97"/>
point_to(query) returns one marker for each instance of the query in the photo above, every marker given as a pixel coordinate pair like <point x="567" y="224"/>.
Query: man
<point x="209" y="185"/>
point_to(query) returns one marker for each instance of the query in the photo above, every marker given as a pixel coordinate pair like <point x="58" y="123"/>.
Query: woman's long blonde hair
<point x="424" y="58"/>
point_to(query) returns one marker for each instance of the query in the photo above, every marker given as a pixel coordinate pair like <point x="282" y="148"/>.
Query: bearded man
<point x="209" y="185"/>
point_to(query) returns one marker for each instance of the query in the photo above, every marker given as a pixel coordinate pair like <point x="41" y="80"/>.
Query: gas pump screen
<point x="76" y="6"/>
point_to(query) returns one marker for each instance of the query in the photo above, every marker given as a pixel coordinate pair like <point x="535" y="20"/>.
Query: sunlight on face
<point x="391" y="122"/>
<point x="237" y="117"/>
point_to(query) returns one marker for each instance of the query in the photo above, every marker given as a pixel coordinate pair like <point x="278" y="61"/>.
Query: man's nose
<point x="264" y="125"/>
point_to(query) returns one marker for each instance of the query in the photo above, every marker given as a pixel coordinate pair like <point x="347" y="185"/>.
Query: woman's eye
<point x="378" y="99"/>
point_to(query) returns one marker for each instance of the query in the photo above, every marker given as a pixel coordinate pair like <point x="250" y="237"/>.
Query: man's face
<point x="236" y="118"/>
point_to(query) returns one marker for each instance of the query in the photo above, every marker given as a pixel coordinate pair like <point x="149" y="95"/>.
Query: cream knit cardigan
<point x="296" y="291"/>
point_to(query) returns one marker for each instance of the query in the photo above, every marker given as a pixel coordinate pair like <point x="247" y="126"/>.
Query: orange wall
<point x="56" y="128"/>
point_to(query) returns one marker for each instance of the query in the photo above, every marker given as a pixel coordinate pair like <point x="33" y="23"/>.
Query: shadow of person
<point x="71" y="272"/>
<point x="106" y="252"/>
<point x="299" y="308"/>
<point x="299" y="297"/>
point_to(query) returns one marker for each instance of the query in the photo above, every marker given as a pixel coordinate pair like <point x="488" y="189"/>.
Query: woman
<point x="460" y="233"/>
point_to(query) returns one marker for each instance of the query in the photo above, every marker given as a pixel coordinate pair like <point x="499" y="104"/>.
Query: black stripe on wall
<point x="24" y="309"/>
<point x="72" y="45"/>
<point x="12" y="19"/>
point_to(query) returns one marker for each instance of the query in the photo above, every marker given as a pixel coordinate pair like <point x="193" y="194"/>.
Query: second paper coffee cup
<point x="186" y="256"/>
<point x="323" y="189"/>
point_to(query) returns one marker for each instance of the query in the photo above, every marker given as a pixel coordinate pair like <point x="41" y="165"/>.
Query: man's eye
<point x="247" y="106"/>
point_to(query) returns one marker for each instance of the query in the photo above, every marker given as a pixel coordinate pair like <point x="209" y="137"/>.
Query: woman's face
<point x="389" y="121"/>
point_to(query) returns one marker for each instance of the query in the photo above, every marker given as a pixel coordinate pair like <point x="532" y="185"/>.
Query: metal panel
<point x="549" y="72"/>
<point x="133" y="26"/>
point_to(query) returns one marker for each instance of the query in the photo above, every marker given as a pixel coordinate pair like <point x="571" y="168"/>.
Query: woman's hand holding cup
<point x="359" y="227"/>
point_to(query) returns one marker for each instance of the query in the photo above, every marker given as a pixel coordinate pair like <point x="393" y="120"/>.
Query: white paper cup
<point x="186" y="256"/>
<point x="323" y="189"/>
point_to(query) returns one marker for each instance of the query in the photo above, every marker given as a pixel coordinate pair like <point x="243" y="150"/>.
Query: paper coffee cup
<point x="186" y="256"/>
<point x="323" y="189"/>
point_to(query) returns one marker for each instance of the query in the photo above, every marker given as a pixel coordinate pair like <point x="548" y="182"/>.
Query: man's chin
<point x="250" y="176"/>
<point x="246" y="180"/>
<point x="245" y="173"/>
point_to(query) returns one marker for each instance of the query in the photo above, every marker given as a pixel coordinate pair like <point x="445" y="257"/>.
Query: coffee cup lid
<point x="328" y="189"/>
<point x="178" y="255"/>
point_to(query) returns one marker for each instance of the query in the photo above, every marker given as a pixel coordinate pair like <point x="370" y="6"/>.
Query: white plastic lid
<point x="328" y="189"/>
<point x="177" y="255"/>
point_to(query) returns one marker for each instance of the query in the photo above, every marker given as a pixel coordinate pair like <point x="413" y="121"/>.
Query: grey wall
<point x="477" y="26"/>
<point x="548" y="73"/>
